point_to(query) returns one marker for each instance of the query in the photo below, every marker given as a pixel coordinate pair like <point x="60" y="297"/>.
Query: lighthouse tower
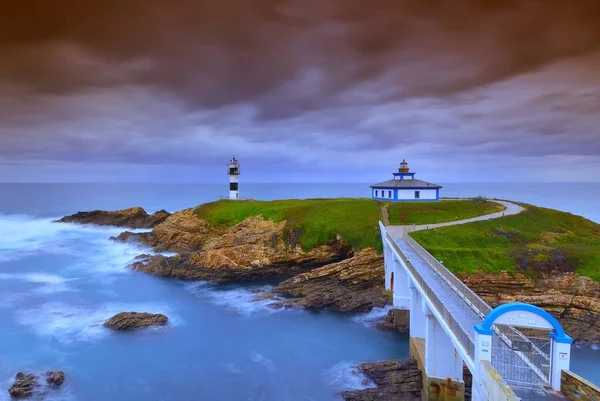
<point x="233" y="172"/>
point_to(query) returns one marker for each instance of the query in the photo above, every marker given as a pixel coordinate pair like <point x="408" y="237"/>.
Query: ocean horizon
<point x="67" y="198"/>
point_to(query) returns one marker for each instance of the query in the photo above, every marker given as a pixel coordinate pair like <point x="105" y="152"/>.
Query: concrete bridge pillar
<point x="402" y="292"/>
<point x="443" y="364"/>
<point x="417" y="317"/>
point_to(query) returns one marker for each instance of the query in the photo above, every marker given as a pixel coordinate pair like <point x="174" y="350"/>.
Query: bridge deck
<point x="462" y="312"/>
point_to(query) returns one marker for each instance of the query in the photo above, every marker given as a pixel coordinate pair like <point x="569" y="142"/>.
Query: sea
<point x="60" y="282"/>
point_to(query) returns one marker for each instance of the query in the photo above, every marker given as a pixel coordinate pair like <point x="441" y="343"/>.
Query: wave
<point x="347" y="376"/>
<point x="89" y="246"/>
<point x="233" y="368"/>
<point x="22" y="234"/>
<point x="242" y="301"/>
<point x="372" y="317"/>
<point x="263" y="361"/>
<point x="67" y="323"/>
<point x="51" y="283"/>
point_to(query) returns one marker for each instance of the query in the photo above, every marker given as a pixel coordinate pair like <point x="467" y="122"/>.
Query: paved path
<point x="511" y="208"/>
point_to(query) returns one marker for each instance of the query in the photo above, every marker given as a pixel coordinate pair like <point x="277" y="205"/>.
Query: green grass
<point x="537" y="241"/>
<point x="318" y="221"/>
<point x="406" y="213"/>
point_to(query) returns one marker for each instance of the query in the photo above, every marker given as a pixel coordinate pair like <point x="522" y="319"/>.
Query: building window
<point x="390" y="194"/>
<point x="376" y="193"/>
<point x="233" y="186"/>
<point x="417" y="194"/>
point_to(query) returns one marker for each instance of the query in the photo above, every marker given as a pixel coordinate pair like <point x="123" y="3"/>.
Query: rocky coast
<point x="332" y="275"/>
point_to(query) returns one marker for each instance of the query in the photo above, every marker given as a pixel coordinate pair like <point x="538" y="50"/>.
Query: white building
<point x="233" y="171"/>
<point x="404" y="187"/>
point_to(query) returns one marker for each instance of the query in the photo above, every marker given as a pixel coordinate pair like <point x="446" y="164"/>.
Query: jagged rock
<point x="572" y="299"/>
<point x="27" y="384"/>
<point x="352" y="285"/>
<point x="134" y="320"/>
<point x="395" y="380"/>
<point x="55" y="378"/>
<point x="255" y="249"/>
<point x="134" y="217"/>
<point x="23" y="386"/>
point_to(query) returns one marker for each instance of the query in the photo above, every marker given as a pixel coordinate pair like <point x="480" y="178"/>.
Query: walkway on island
<point x="464" y="308"/>
<point x="510" y="209"/>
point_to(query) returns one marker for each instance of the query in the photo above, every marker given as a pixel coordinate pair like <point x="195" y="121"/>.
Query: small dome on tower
<point x="403" y="167"/>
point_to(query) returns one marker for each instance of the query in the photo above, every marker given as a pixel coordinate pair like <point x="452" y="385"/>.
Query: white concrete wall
<point x="409" y="194"/>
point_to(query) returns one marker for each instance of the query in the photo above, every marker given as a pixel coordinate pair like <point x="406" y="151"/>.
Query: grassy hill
<point x="536" y="241"/>
<point x="318" y="221"/>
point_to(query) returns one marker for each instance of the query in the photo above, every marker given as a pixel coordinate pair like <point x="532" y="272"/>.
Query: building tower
<point x="403" y="167"/>
<point x="234" y="177"/>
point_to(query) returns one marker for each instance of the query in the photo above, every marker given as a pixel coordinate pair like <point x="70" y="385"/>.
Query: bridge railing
<point x="506" y="333"/>
<point x="455" y="327"/>
<point x="463" y="291"/>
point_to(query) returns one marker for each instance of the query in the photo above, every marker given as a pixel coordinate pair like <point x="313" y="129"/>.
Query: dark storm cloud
<point x="213" y="53"/>
<point x="304" y="81"/>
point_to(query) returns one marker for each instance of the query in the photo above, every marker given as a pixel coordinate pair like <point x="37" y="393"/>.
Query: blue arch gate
<point x="525" y="344"/>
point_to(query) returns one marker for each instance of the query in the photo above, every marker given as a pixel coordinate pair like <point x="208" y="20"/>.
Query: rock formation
<point x="55" y="378"/>
<point x="134" y="320"/>
<point x="28" y="384"/>
<point x="332" y="276"/>
<point x="572" y="299"/>
<point x="23" y="386"/>
<point x="134" y="217"/>
<point x="255" y="249"/>
<point x="352" y="285"/>
<point x="395" y="380"/>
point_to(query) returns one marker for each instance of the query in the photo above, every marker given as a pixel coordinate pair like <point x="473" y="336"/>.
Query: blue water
<point x="59" y="282"/>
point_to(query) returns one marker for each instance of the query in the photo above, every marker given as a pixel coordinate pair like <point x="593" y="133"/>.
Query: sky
<point x="299" y="90"/>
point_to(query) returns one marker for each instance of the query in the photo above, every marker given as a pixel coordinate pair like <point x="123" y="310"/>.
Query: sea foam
<point x="372" y="317"/>
<point x="347" y="376"/>
<point x="51" y="283"/>
<point x="239" y="300"/>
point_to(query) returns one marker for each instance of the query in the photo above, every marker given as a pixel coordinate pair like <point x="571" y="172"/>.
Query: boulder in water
<point x="134" y="320"/>
<point x="55" y="378"/>
<point x="23" y="386"/>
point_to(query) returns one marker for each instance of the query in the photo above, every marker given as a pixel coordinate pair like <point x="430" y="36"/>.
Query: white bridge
<point x="515" y="351"/>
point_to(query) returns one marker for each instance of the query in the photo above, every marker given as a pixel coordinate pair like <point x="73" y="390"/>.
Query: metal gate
<point x="522" y="356"/>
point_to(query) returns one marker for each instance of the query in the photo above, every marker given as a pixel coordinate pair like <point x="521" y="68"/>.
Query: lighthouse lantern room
<point x="404" y="187"/>
<point x="233" y="171"/>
